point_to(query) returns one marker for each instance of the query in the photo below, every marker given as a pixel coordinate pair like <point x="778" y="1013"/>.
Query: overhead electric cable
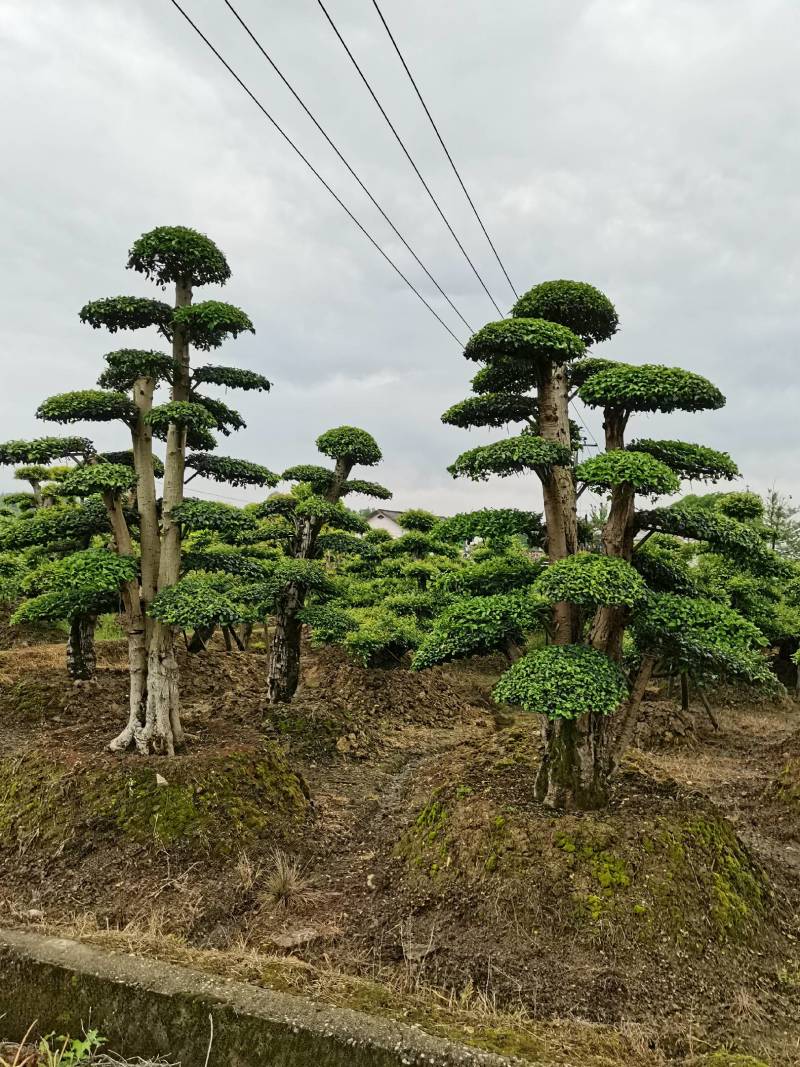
<point x="313" y="118"/>
<point x="444" y="146"/>
<point x="313" y="169"/>
<point x="407" y="154"/>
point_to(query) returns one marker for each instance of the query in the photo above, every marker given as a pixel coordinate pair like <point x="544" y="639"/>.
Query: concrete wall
<point x="148" y="1008"/>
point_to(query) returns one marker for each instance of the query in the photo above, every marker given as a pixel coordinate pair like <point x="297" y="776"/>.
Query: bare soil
<point x="384" y="831"/>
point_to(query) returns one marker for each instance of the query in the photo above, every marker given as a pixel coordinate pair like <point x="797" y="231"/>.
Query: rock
<point x="35" y="914"/>
<point x="161" y="780"/>
<point x="289" y="939"/>
<point x="343" y="745"/>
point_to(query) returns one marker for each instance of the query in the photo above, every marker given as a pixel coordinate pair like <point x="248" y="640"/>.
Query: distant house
<point x="384" y="519"/>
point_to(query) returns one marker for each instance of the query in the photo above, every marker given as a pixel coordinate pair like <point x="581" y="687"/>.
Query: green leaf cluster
<point x="126" y="365"/>
<point x="563" y="682"/>
<point x="225" y="519"/>
<point x="209" y="323"/>
<point x="350" y="444"/>
<point x="45" y="450"/>
<point x="113" y="478"/>
<point x="650" y="387"/>
<point x="81" y="583"/>
<point x="591" y="580"/>
<point x="529" y="339"/>
<point x="577" y="305"/>
<point x="127" y="313"/>
<point x="87" y="405"/>
<point x="238" y="472"/>
<point x="513" y="455"/>
<point x="491" y="409"/>
<point x="619" y="467"/>
<point x="231" y="378"/>
<point x="474" y="626"/>
<point x="178" y="254"/>
<point x="689" y="460"/>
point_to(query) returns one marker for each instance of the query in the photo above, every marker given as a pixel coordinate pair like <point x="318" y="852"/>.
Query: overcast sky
<point x="652" y="149"/>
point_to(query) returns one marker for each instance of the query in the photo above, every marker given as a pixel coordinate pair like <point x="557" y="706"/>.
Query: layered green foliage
<point x="178" y="254"/>
<point x="513" y="455"/>
<point x="183" y="413"/>
<point x="528" y="339"/>
<point x="55" y="525"/>
<point x="351" y="444"/>
<point x="87" y="405"/>
<point x="208" y="323"/>
<point x="231" y="378"/>
<point x="81" y="583"/>
<point x="577" y="305"/>
<point x="689" y="460"/>
<point x="113" y="478"/>
<point x="126" y="365"/>
<point x="478" y="625"/>
<point x="127" y="313"/>
<point x="639" y="470"/>
<point x="497" y="574"/>
<point x="650" y="387"/>
<point x="563" y="682"/>
<point x="201" y="600"/>
<point x="493" y="524"/>
<point x="591" y="580"/>
<point x="491" y="409"/>
<point x="708" y="639"/>
<point x="225" y="519"/>
<point x="237" y="472"/>
<point x="45" y="450"/>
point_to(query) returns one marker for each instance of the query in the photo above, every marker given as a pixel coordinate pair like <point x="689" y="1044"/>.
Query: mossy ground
<point x="439" y="890"/>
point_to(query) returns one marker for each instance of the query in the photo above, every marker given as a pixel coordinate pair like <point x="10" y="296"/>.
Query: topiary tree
<point x="314" y="505"/>
<point x="183" y="259"/>
<point x="53" y="536"/>
<point x="579" y="683"/>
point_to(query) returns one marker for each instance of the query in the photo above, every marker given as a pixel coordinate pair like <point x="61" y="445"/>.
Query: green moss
<point x="213" y="804"/>
<point x="788" y="783"/>
<point x="28" y="700"/>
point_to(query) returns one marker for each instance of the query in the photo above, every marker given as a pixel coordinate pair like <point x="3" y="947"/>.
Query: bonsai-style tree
<point x="578" y="683"/>
<point x="314" y="504"/>
<point x="48" y="528"/>
<point x="183" y="259"/>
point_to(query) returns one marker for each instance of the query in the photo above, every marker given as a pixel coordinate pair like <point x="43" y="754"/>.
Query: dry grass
<point x="285" y="884"/>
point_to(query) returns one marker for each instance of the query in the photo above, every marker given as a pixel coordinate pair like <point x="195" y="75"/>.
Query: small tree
<point x="184" y="259"/>
<point x="47" y="541"/>
<point x="314" y="504"/>
<point x="578" y="682"/>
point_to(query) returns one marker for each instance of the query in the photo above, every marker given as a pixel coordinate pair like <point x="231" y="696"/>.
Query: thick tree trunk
<point x="574" y="772"/>
<point x="163" y="732"/>
<point x="558" y="492"/>
<point x="146" y="504"/>
<point x="81" y="657"/>
<point x="283" y="673"/>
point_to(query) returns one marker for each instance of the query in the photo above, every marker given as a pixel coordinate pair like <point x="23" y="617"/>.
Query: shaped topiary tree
<point x="314" y="504"/>
<point x="183" y="259"/>
<point x="578" y="683"/>
<point x="51" y="537"/>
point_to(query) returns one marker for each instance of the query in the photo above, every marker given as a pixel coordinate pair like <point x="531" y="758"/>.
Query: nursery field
<point x="377" y="844"/>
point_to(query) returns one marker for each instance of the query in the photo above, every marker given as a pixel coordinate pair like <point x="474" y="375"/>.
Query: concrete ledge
<point x="148" y="1008"/>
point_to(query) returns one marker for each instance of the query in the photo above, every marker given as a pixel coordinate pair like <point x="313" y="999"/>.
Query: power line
<point x="444" y="146"/>
<point x="574" y="407"/>
<point x="407" y="154"/>
<point x="308" y="112"/>
<point x="313" y="170"/>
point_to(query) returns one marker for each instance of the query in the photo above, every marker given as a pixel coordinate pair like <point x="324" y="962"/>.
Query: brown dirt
<point x="423" y="860"/>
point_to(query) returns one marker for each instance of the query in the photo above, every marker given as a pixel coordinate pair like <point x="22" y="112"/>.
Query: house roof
<point x="394" y="515"/>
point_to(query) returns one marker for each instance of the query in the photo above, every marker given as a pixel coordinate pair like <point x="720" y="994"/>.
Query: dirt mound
<point x="342" y="707"/>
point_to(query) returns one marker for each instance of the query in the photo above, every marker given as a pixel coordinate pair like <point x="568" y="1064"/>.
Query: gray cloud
<point x="648" y="148"/>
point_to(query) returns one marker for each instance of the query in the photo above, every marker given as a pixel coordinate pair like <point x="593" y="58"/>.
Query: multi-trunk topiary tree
<point x="183" y="259"/>
<point x="532" y="362"/>
<point x="314" y="505"/>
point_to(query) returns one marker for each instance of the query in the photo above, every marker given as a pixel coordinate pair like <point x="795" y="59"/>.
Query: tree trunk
<point x="684" y="691"/>
<point x="558" y="492"/>
<point x="574" y="772"/>
<point x="146" y="505"/>
<point x="200" y="639"/>
<point x="81" y="658"/>
<point x="163" y="730"/>
<point x="283" y="673"/>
